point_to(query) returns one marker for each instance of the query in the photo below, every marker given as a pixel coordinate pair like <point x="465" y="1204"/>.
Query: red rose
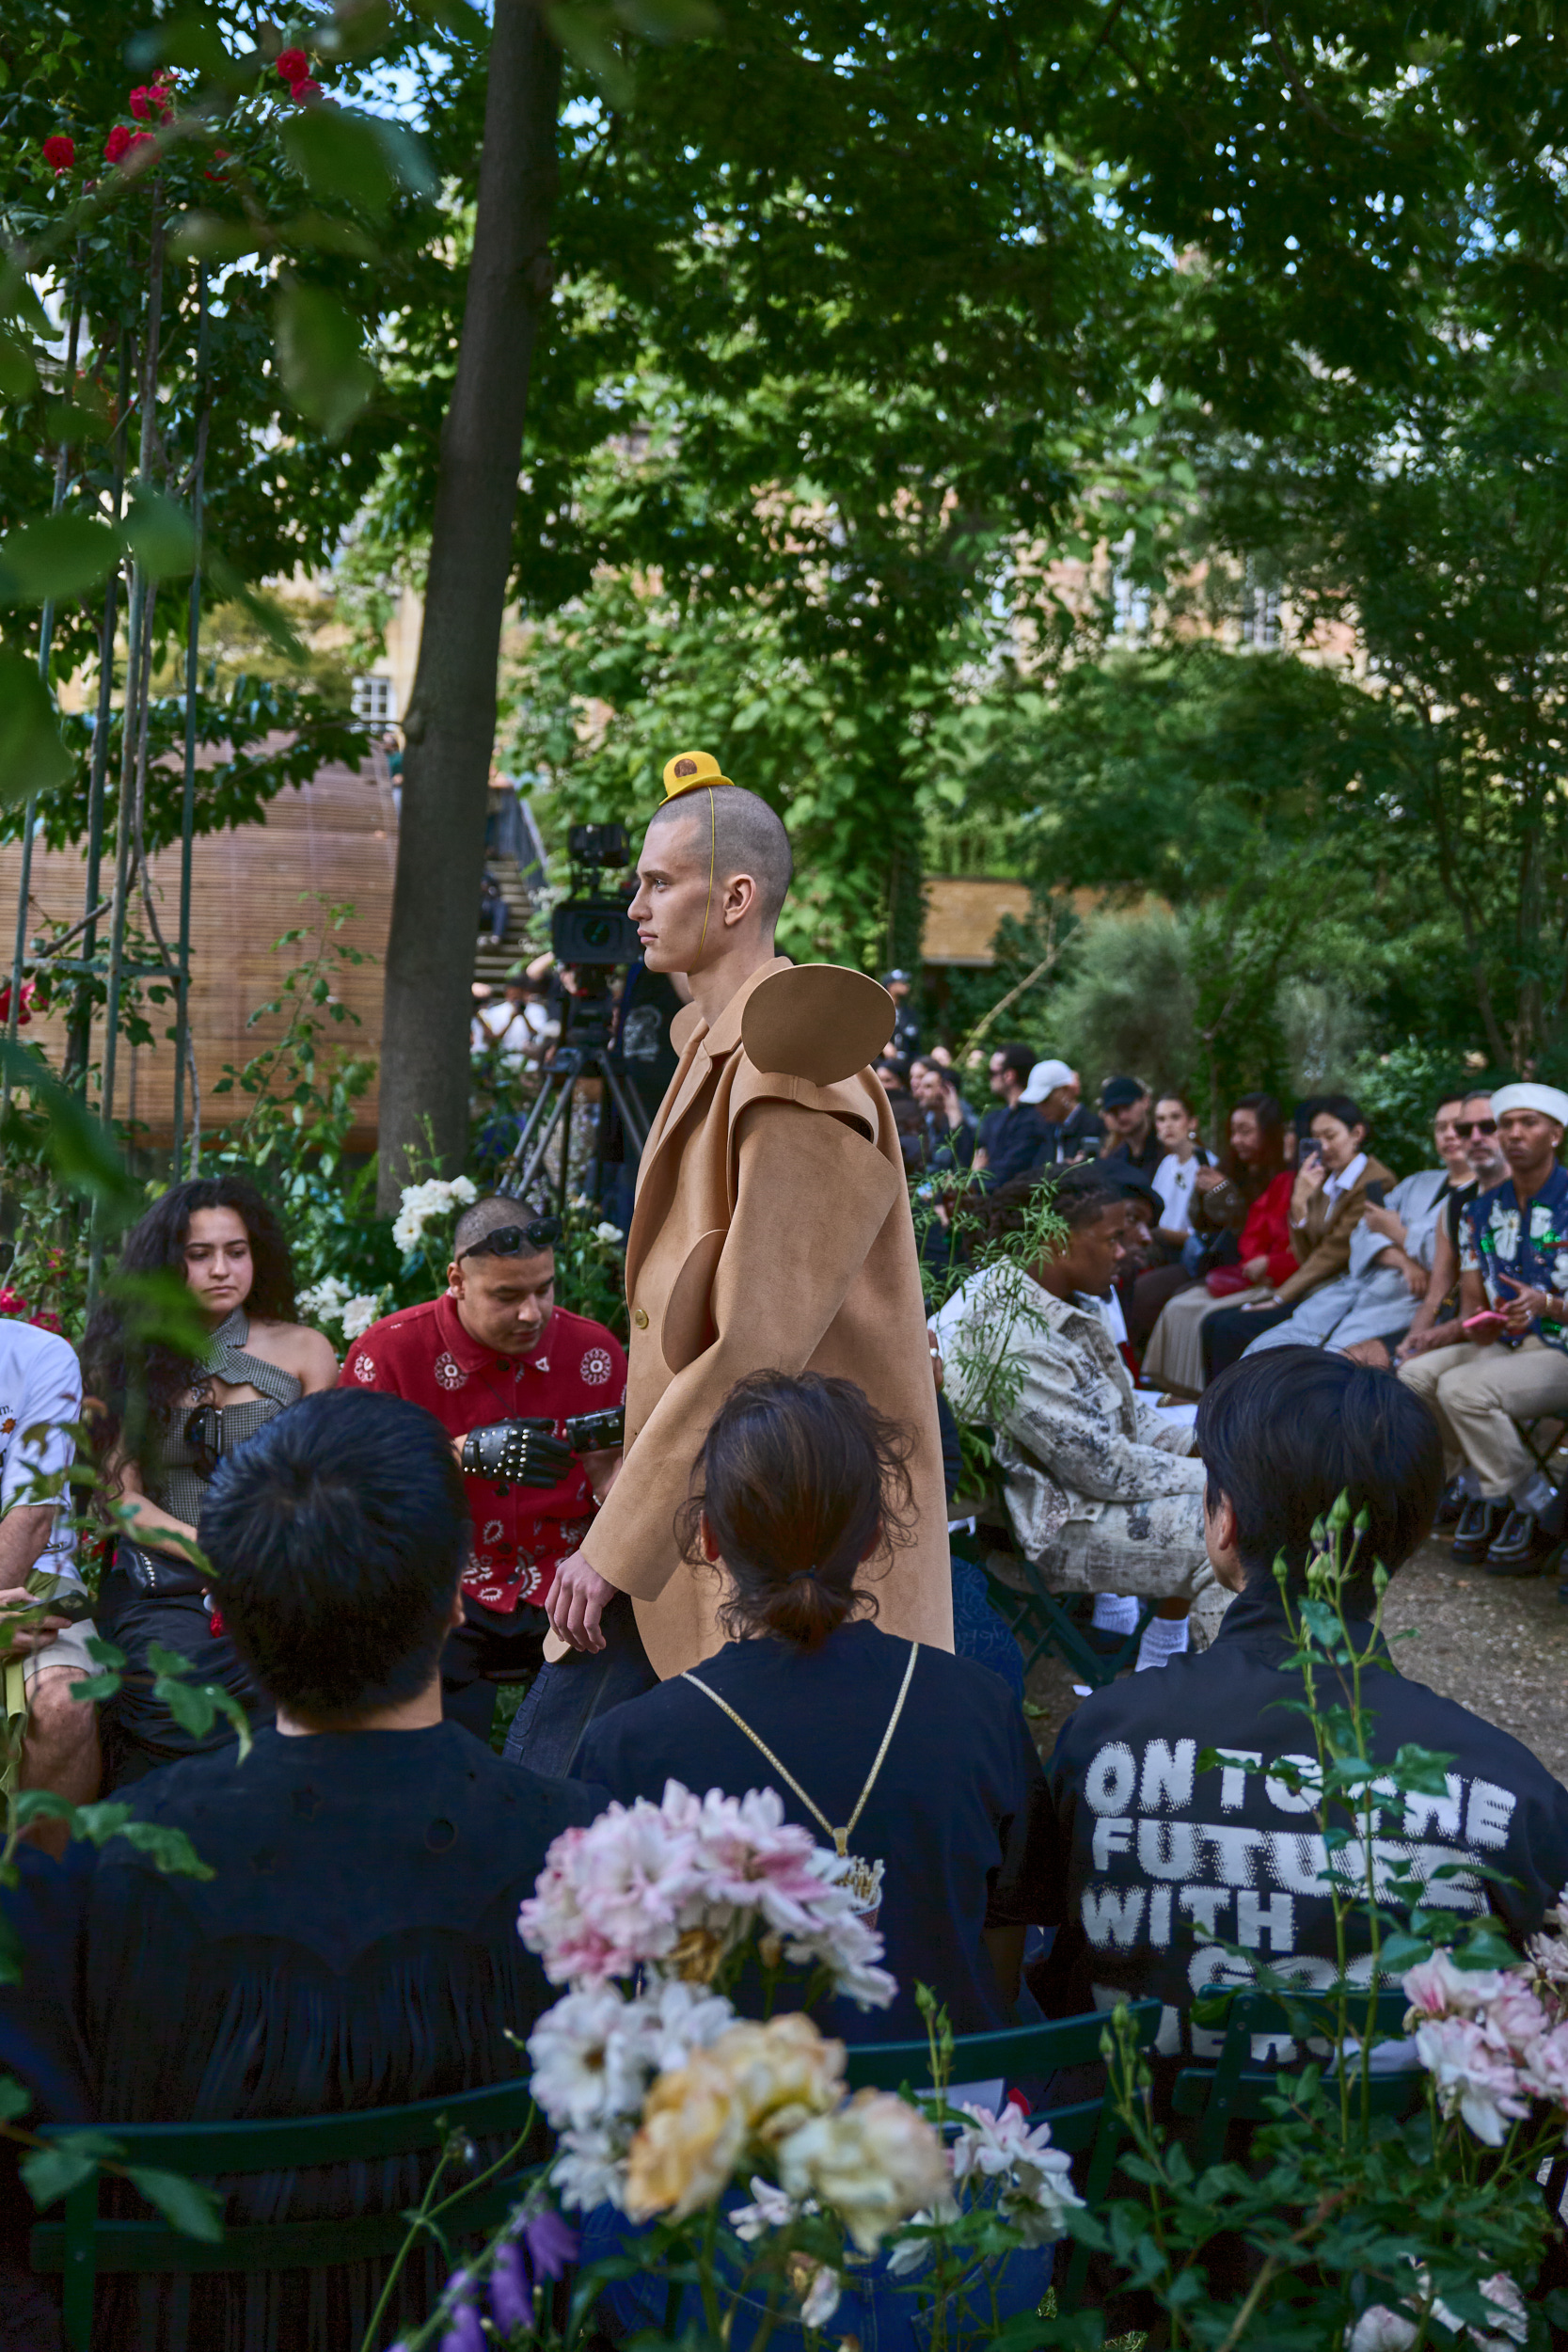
<point x="305" y="92"/>
<point x="59" y="153"/>
<point x="117" y="143"/>
<point x="293" y="66"/>
<point x="215" y="169"/>
<point x="141" y="103"/>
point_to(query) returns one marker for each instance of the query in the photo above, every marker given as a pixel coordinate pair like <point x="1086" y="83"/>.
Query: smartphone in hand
<point x="1485" y="1326"/>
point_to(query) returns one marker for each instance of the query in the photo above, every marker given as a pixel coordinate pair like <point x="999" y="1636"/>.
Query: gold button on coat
<point x="639" y="1317"/>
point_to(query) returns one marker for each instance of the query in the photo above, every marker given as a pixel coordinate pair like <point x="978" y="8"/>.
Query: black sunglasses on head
<point x="1475" y="1126"/>
<point x="516" y="1240"/>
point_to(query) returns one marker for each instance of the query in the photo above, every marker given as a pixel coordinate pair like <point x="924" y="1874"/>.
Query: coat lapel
<point x="705" y="1050"/>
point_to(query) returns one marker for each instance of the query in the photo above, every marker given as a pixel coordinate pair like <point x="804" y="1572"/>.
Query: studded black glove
<point x="517" y="1453"/>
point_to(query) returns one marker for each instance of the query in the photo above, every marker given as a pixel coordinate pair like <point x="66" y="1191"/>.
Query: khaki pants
<point x="1477" y="1393"/>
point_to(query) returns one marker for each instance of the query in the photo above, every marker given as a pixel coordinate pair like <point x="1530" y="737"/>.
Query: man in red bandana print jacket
<point x="496" y="1349"/>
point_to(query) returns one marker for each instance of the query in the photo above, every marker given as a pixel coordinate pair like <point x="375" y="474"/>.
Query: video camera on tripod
<point x="591" y="937"/>
<point x="591" y="934"/>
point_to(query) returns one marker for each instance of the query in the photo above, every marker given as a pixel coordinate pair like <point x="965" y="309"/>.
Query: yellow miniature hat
<point x="688" y="770"/>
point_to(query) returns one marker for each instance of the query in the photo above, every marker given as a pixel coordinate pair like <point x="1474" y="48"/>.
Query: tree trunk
<point x="450" y="723"/>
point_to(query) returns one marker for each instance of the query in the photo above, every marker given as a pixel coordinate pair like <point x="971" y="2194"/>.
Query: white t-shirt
<point x="1174" y="1180"/>
<point x="41" y="1399"/>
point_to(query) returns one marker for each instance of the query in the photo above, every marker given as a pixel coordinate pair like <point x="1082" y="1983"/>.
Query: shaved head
<point x="747" y="837"/>
<point x="487" y="1216"/>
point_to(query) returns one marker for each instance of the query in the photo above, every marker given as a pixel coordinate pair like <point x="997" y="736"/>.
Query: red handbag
<point x="1227" y="1281"/>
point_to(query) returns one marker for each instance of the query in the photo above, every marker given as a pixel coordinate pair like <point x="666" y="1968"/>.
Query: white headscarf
<point x="1526" y="1096"/>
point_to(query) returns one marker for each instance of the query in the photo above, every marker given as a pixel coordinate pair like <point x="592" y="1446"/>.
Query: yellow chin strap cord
<point x="712" y="858"/>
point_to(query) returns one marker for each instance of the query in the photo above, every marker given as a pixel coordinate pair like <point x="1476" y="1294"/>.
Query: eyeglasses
<point x="1475" y="1128"/>
<point x="516" y="1240"/>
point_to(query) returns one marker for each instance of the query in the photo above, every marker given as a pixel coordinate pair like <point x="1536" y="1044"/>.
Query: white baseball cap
<point x="1045" y="1077"/>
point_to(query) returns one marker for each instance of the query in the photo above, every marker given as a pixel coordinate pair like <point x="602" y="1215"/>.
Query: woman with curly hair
<point x="164" y="1419"/>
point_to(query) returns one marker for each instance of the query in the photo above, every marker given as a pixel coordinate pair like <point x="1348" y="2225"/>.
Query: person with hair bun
<point x="917" y="1764"/>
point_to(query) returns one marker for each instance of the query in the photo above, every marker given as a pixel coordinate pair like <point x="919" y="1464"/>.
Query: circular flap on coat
<point x="820" y="1022"/>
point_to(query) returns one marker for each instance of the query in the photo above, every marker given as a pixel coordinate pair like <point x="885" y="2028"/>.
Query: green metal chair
<point x="1042" y="1625"/>
<point x="84" y="2245"/>
<point x="1027" y="2052"/>
<point x="1235" y="2091"/>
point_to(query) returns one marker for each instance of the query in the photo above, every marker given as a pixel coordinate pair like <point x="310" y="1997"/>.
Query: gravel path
<point x="1498" y="1646"/>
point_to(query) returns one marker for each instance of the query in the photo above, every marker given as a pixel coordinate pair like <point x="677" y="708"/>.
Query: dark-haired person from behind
<point x="1149" y="1855"/>
<point x="356" y="1945"/>
<point x="799" y="1494"/>
<point x="162" y="1421"/>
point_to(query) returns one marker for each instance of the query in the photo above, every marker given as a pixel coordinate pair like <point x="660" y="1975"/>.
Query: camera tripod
<point x="552" y="1113"/>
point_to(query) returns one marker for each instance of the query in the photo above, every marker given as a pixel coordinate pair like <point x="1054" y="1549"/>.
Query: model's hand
<point x="1207" y="1178"/>
<point x="1385" y="1221"/>
<point x="1415" y="1276"/>
<point x="1254" y="1269"/>
<point x="17" y="1641"/>
<point x="578" y="1600"/>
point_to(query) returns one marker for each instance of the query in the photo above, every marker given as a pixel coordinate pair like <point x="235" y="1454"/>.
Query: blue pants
<point x="881" y="2314"/>
<point x="565" y="1698"/>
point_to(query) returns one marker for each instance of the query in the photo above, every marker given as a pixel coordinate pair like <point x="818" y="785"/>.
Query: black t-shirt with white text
<point x="1149" y="1854"/>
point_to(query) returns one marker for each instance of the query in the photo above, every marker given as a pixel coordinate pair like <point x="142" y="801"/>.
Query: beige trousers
<point x="1477" y="1395"/>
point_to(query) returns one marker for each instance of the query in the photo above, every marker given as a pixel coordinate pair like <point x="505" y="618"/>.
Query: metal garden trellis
<point x="130" y="858"/>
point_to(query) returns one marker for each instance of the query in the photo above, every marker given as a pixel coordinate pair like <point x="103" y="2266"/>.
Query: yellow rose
<point x="782" y="2073"/>
<point x="873" y="2163"/>
<point x="684" y="2152"/>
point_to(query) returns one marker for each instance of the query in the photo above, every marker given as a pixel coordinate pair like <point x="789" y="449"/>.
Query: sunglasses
<point x="1475" y="1128"/>
<point x="516" y="1240"/>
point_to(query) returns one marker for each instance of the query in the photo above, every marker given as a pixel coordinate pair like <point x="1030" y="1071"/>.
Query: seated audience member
<point x="1244" y="1208"/>
<point x="40" y="1404"/>
<point x="947" y="1132"/>
<point x="493" y="1352"/>
<point x="221" y="1235"/>
<point x="1152" y="1856"/>
<point x="1176" y="1177"/>
<point x="1366" y="1311"/>
<point x="1326" y="1204"/>
<point x="894" y="1074"/>
<point x="356" y="1945"/>
<point x="1127" y="1111"/>
<point x="1513" y="1366"/>
<point x="1063" y="1131"/>
<point x="798" y="1492"/>
<point x="1100" y="1490"/>
<point x="1436" y="1323"/>
<point x="1011" y="1129"/>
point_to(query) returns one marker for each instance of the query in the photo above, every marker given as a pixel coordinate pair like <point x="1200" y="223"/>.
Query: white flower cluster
<point x="607" y="1232"/>
<point x="423" y="1204"/>
<point x="331" y="1301"/>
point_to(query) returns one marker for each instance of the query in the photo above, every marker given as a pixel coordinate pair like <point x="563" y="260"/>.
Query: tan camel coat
<point x="772" y="1232"/>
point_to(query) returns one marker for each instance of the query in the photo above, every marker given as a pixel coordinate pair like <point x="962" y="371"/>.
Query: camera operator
<point x="508" y="1373"/>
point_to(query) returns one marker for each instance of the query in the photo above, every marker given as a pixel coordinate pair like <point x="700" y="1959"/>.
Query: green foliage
<point x="1130" y="1005"/>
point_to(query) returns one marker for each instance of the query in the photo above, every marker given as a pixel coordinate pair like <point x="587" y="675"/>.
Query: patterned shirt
<point x="1073" y="1436"/>
<point x="425" y="1353"/>
<point x="1496" y="1237"/>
